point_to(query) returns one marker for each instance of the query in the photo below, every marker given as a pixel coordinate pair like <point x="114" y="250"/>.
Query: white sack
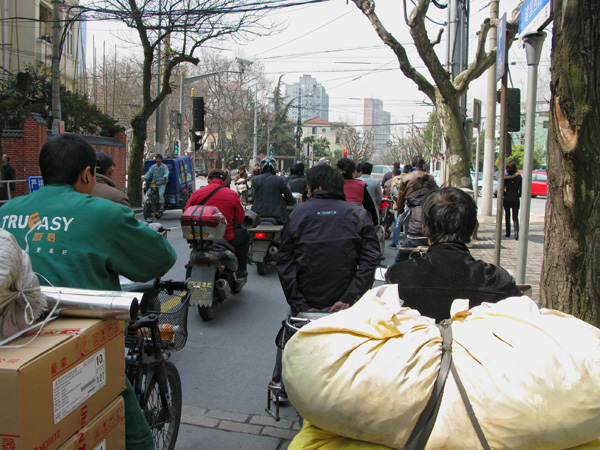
<point x="532" y="376"/>
<point x="18" y="285"/>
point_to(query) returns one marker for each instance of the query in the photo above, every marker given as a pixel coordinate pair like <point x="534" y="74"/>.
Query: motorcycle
<point x="265" y="240"/>
<point x="213" y="264"/>
<point x="242" y="190"/>
<point x="386" y="216"/>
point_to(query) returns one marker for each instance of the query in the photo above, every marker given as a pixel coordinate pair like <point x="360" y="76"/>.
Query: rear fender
<point x="203" y="280"/>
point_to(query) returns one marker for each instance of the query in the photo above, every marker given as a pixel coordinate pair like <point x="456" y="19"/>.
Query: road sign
<point x="35" y="182"/>
<point x="534" y="16"/>
<point x="501" y="49"/>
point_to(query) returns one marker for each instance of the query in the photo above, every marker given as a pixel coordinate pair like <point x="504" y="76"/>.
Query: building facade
<point x="26" y="38"/>
<point x="321" y="128"/>
<point x="377" y="121"/>
<point x="309" y="99"/>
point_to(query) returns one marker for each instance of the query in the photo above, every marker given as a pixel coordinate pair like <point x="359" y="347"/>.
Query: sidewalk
<point x="483" y="248"/>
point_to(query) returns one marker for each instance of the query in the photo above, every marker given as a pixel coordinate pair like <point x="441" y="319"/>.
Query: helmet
<point x="268" y="164"/>
<point x="218" y="173"/>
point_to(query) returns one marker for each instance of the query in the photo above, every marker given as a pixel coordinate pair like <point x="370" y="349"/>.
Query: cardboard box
<point x="106" y="431"/>
<point x="55" y="384"/>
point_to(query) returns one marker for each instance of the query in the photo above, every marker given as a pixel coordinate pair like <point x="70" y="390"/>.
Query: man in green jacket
<point x="76" y="240"/>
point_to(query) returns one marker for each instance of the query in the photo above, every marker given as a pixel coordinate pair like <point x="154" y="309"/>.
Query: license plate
<point x="203" y="281"/>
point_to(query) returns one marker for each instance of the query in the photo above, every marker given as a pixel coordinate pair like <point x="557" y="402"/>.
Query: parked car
<point x="538" y="183"/>
<point x="380" y="171"/>
<point x="201" y="172"/>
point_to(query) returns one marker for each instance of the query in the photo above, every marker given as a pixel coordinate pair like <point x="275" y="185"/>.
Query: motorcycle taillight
<point x="262" y="235"/>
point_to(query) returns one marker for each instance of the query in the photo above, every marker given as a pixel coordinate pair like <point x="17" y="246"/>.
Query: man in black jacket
<point x="271" y="193"/>
<point x="448" y="271"/>
<point x="329" y="250"/>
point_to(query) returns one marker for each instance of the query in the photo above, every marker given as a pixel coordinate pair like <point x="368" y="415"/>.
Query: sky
<point x="336" y="44"/>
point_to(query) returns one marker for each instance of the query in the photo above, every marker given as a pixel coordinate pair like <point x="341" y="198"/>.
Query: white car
<point x="380" y="171"/>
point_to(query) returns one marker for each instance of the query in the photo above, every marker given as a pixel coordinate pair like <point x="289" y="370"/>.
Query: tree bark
<point x="571" y="268"/>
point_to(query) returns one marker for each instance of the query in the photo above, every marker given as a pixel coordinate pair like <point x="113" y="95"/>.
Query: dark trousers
<point x="241" y="242"/>
<point x="511" y="209"/>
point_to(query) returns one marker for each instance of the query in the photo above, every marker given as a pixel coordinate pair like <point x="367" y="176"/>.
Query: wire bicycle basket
<point x="172" y="311"/>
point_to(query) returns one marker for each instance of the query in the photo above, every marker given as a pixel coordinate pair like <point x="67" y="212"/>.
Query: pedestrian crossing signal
<point x="345" y="153"/>
<point x="176" y="148"/>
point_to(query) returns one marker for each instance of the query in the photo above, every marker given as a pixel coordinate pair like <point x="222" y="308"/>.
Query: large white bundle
<point x="21" y="301"/>
<point x="531" y="375"/>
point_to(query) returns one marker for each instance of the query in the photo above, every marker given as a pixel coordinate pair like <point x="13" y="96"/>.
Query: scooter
<point x="265" y="240"/>
<point x="386" y="216"/>
<point x="242" y="190"/>
<point x="213" y="264"/>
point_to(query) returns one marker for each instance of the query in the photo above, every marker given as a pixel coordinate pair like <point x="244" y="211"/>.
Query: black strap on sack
<point x="422" y="430"/>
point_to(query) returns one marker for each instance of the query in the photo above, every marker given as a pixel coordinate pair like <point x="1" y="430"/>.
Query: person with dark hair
<point x="447" y="271"/>
<point x="373" y="185"/>
<point x="242" y="173"/>
<point x="228" y="202"/>
<point x="512" y="196"/>
<point x="105" y="188"/>
<point x="356" y="190"/>
<point x="79" y="241"/>
<point x="159" y="173"/>
<point x="8" y="173"/>
<point x="415" y="237"/>
<point x="328" y="253"/>
<point x="389" y="175"/>
<point x="387" y="187"/>
<point x="296" y="180"/>
<point x="271" y="193"/>
<point x="401" y="218"/>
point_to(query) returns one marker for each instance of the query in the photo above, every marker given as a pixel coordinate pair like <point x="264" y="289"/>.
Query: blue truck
<point x="181" y="180"/>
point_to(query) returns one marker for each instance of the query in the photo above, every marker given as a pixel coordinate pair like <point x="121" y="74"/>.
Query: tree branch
<point x="367" y="7"/>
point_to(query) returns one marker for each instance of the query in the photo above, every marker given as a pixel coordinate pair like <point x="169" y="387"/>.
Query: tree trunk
<point x="456" y="144"/>
<point x="571" y="269"/>
<point x="136" y="161"/>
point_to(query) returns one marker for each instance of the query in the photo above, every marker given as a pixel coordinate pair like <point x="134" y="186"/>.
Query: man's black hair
<point x="367" y="168"/>
<point x="7" y="158"/>
<point x="396" y="172"/>
<point x="406" y="168"/>
<point x="397" y="165"/>
<point x="300" y="168"/>
<point x="64" y="157"/>
<point x="327" y="178"/>
<point x="418" y="161"/>
<point x="449" y="215"/>
<point x="346" y="167"/>
<point x="359" y="168"/>
<point x="425" y="182"/>
<point x="158" y="155"/>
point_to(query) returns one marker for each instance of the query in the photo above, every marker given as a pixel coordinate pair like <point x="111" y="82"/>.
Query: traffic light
<point x="197" y="141"/>
<point x="271" y="151"/>
<point x="345" y="153"/>
<point x="513" y="109"/>
<point x="198" y="124"/>
<point x="176" y="147"/>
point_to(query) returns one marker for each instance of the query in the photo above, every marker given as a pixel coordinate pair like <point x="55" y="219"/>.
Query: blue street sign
<point x="501" y="49"/>
<point x="534" y="16"/>
<point x="35" y="182"/>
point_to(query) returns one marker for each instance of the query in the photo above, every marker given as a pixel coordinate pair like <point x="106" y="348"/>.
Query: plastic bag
<point x="21" y="301"/>
<point x="366" y="373"/>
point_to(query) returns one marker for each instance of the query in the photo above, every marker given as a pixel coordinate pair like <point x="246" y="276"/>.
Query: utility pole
<point x="158" y="141"/>
<point x="489" y="151"/>
<point x="255" y="136"/>
<point x="56" y="68"/>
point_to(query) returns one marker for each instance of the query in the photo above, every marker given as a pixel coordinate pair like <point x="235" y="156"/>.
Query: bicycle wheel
<point x="164" y="431"/>
<point x="149" y="210"/>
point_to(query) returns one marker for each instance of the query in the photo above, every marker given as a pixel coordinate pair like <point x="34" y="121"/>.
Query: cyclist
<point x="228" y="202"/>
<point x="159" y="173"/>
<point x="79" y="241"/>
<point x="271" y="193"/>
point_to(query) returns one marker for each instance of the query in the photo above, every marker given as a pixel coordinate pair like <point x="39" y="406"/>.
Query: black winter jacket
<point x="271" y="194"/>
<point x="446" y="272"/>
<point x="329" y="253"/>
<point x="415" y="203"/>
<point x="512" y="189"/>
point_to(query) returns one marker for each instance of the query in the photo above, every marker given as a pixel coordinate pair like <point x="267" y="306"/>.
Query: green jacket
<point x="84" y="242"/>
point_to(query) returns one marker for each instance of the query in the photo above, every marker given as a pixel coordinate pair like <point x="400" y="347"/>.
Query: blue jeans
<point x="161" y="193"/>
<point x="401" y="219"/>
<point x="408" y="242"/>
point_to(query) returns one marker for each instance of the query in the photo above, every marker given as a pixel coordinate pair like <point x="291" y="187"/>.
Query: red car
<point x="538" y="183"/>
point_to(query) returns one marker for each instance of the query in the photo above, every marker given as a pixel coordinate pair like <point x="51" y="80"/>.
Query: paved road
<point x="227" y="362"/>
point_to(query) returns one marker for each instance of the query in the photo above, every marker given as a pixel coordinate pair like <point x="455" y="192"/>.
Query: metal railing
<point x="5" y="187"/>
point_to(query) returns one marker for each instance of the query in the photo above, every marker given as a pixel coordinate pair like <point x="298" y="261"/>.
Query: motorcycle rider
<point x="79" y="241"/>
<point x="328" y="253"/>
<point x="228" y="202"/>
<point x="271" y="193"/>
<point x="159" y="173"/>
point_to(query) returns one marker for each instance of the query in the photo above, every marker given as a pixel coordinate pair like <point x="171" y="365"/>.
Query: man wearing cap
<point x="228" y="202"/>
<point x="105" y="188"/>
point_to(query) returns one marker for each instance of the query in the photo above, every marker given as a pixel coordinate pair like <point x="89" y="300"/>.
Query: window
<point x="324" y="130"/>
<point x="338" y="140"/>
<point x="45" y="24"/>
<point x="69" y="41"/>
<point x="314" y="130"/>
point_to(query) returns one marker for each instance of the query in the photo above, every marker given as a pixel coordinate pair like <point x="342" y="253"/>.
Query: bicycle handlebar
<point x="170" y="285"/>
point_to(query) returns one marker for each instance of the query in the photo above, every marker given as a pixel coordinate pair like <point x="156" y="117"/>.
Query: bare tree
<point x="359" y="145"/>
<point x="181" y="27"/>
<point x="443" y="92"/>
<point x="571" y="267"/>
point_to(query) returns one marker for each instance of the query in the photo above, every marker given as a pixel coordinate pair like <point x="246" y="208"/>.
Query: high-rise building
<point x="309" y="99"/>
<point x="378" y="122"/>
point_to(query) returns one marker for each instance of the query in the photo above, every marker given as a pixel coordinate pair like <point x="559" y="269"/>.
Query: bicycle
<point x="152" y="204"/>
<point x="149" y="342"/>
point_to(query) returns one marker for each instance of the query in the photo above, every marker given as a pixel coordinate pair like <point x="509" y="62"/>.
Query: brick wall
<point x="24" y="149"/>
